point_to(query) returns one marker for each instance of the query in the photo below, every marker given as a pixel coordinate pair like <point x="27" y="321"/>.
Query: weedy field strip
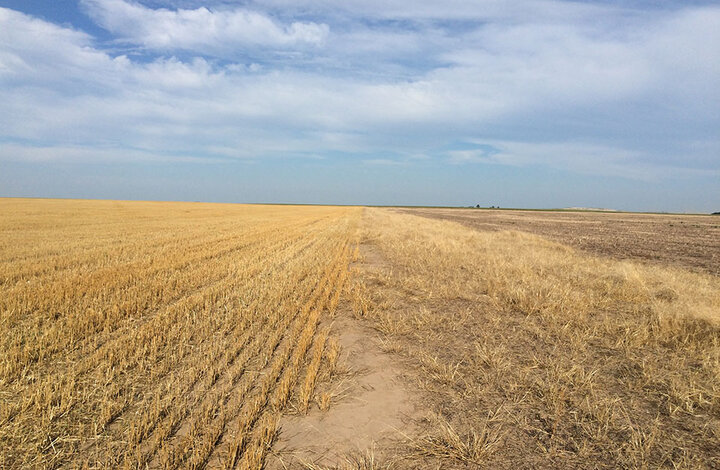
<point x="682" y="240"/>
<point x="161" y="334"/>
<point x="536" y="355"/>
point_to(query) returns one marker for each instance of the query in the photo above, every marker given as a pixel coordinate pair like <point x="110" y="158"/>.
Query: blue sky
<point x="521" y="104"/>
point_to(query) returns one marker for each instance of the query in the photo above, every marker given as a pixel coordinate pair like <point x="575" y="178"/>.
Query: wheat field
<point x="180" y="335"/>
<point x="162" y="335"/>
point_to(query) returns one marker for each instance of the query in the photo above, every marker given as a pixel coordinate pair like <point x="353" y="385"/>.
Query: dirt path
<point x="371" y="416"/>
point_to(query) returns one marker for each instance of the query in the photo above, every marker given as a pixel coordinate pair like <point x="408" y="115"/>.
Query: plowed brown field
<point x="687" y="241"/>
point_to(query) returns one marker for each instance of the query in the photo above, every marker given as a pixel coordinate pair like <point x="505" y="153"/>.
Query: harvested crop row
<point x="180" y="351"/>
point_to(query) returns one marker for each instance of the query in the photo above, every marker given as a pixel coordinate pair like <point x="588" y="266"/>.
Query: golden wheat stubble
<point x="160" y="334"/>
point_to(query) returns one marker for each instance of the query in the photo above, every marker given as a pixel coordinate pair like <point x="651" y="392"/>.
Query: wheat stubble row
<point x="167" y="335"/>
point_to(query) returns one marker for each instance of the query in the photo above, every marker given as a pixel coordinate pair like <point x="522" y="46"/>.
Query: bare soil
<point x="687" y="241"/>
<point x="371" y="416"/>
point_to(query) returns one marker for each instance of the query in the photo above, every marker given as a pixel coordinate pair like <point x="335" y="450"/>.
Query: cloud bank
<point x="199" y="29"/>
<point x="591" y="88"/>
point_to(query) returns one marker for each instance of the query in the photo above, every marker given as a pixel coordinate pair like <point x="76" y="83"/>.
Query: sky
<point x="530" y="103"/>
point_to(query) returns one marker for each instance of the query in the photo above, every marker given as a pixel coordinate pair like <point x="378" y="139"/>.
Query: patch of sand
<point x="373" y="416"/>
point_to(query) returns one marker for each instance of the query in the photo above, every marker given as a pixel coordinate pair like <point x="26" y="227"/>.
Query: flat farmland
<point x="530" y="353"/>
<point x="689" y="241"/>
<point x="164" y="335"/>
<point x="160" y="335"/>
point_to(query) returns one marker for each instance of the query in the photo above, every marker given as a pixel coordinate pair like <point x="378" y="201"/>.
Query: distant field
<point x="160" y="334"/>
<point x="688" y="241"/>
<point x="527" y="353"/>
<point x="188" y="335"/>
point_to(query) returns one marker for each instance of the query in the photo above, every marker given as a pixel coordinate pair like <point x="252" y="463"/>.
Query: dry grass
<point x="358" y="461"/>
<point x="686" y="241"/>
<point x="532" y="354"/>
<point x="160" y="334"/>
<point x="163" y="335"/>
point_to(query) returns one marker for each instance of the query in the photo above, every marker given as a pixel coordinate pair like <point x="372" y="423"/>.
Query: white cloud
<point x="486" y="10"/>
<point x="44" y="154"/>
<point x="559" y="89"/>
<point x="199" y="29"/>
<point x="31" y="48"/>
<point x="580" y="157"/>
<point x="384" y="162"/>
